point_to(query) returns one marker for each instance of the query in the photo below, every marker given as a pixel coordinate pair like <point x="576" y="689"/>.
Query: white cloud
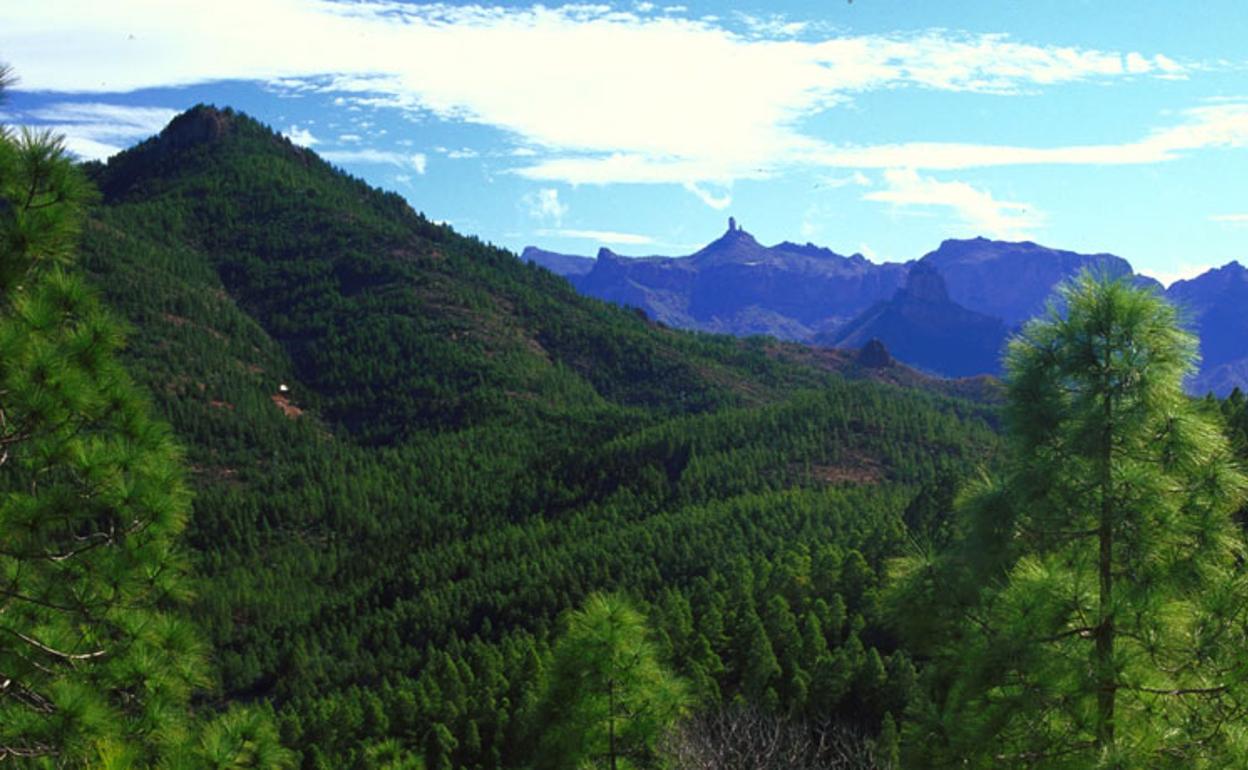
<point x="544" y="206"/>
<point x="415" y="161"/>
<point x="90" y="149"/>
<point x="599" y="236"/>
<point x="717" y="202"/>
<point x="1223" y="125"/>
<point x="976" y="208"/>
<point x="1137" y="64"/>
<point x="1230" y="219"/>
<point x="653" y="98"/>
<point x="774" y="26"/>
<point x="97" y="130"/>
<point x="857" y="178"/>
<point x="301" y="136"/>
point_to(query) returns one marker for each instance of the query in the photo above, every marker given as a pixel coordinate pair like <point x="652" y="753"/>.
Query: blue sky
<point x="877" y="126"/>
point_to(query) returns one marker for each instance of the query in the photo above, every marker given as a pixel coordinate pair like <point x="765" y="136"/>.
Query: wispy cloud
<point x="415" y="161"/>
<point x="649" y="98"/>
<point x="717" y="202"/>
<point x="857" y="178"/>
<point x="544" y="205"/>
<point x="976" y="208"/>
<point x="598" y="236"/>
<point x="1237" y="220"/>
<point x="1222" y="125"/>
<point x="97" y="130"/>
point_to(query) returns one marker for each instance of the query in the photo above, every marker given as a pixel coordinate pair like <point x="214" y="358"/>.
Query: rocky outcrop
<point x="922" y="326"/>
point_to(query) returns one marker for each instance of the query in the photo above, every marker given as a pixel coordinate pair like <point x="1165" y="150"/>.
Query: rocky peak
<point x="874" y="355"/>
<point x="733" y="241"/>
<point x="925" y="284"/>
<point x="735" y="232"/>
<point x="202" y="123"/>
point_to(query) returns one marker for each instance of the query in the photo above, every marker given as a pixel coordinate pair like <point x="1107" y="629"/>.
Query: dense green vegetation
<point x="468" y="449"/>
<point x="1092" y="612"/>
<point x="419" y="466"/>
<point x="98" y="661"/>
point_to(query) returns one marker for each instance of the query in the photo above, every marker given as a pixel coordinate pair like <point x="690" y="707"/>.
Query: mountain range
<point x="949" y="312"/>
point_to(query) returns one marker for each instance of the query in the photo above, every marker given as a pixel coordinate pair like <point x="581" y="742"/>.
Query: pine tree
<point x="91" y="498"/>
<point x="1099" y="579"/>
<point x="608" y="699"/>
<point x="97" y="663"/>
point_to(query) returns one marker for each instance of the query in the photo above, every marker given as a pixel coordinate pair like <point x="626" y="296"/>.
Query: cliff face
<point x="1012" y="281"/>
<point x="922" y="326"/>
<point x="1214" y="306"/>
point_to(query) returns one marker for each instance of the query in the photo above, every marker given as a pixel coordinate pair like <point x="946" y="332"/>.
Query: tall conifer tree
<point x="97" y="663"/>
<point x="1100" y="580"/>
<point x="608" y="700"/>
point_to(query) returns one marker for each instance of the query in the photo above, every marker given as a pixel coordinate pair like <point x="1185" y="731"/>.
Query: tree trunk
<point x="1106" y="684"/>
<point x="611" y="722"/>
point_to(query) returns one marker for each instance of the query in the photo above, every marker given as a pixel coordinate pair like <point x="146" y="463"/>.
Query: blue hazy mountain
<point x="1215" y="307"/>
<point x="737" y="285"/>
<point x="922" y="326"/>
<point x="951" y="320"/>
<point x="560" y="264"/>
<point x="1013" y="281"/>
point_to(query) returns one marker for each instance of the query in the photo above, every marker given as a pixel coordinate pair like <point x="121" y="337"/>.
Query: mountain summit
<point x="922" y="326"/>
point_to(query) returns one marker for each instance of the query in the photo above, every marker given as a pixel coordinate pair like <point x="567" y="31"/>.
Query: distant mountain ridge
<point x="1013" y="281"/>
<point x="1215" y="307"/>
<point x="952" y="321"/>
<point x="736" y="285"/>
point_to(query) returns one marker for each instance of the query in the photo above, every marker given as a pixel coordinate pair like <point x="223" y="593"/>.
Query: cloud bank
<point x="603" y="96"/>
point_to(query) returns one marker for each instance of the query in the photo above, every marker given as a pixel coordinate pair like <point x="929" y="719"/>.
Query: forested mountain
<point x="412" y="452"/>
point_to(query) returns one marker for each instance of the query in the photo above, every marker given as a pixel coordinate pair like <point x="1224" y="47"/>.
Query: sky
<point x="874" y="126"/>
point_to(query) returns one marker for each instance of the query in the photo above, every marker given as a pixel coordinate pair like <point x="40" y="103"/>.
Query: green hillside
<point x="465" y="448"/>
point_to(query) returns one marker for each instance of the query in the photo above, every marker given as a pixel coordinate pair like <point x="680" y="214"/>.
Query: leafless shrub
<point x="742" y="738"/>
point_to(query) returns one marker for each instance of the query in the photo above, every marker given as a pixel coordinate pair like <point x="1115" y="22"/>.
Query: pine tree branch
<point x="32" y="751"/>
<point x="41" y="602"/>
<point x="1178" y="691"/>
<point x="1033" y="756"/>
<point x="70" y="656"/>
<point x="1082" y="631"/>
<point x="26" y="696"/>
